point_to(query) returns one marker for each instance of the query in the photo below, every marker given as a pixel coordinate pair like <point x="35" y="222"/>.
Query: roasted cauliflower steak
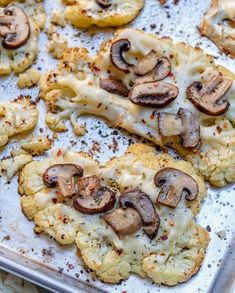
<point x="72" y="92"/>
<point x="17" y="117"/>
<point x="218" y="25"/>
<point x="85" y="13"/>
<point x="20" y="58"/>
<point x="172" y="257"/>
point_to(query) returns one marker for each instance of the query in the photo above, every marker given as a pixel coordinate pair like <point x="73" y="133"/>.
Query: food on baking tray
<point x="16" y="117"/>
<point x="219" y="25"/>
<point x="136" y="214"/>
<point x="29" y="78"/>
<point x="171" y="94"/>
<point x="10" y="166"/>
<point x="20" y="24"/>
<point x="102" y="13"/>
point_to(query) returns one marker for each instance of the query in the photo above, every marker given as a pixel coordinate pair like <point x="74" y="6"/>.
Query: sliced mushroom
<point x="154" y="94"/>
<point x="208" y="98"/>
<point x="141" y="202"/>
<point x="14" y="27"/>
<point x="116" y="54"/>
<point x="124" y="222"/>
<point x="62" y="176"/>
<point x="190" y="135"/>
<point x="114" y="86"/>
<point x="103" y="3"/>
<point x="184" y="124"/>
<point x="169" y="124"/>
<point x="152" y="68"/>
<point x="174" y="184"/>
<point x="92" y="197"/>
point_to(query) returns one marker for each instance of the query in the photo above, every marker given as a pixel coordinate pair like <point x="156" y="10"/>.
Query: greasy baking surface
<point x="217" y="210"/>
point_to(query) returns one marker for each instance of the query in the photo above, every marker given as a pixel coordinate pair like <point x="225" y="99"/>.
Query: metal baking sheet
<point x="37" y="257"/>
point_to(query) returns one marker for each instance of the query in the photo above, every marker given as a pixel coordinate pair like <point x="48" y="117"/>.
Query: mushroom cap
<point x="116" y="54"/>
<point x="114" y="86"/>
<point x="141" y="202"/>
<point x="14" y="27"/>
<point x="208" y="98"/>
<point x="92" y="197"/>
<point x="190" y="135"/>
<point x="184" y="124"/>
<point x="124" y="222"/>
<point x="62" y="176"/>
<point x="103" y="3"/>
<point x="152" y="68"/>
<point x="175" y="184"/>
<point x="153" y="94"/>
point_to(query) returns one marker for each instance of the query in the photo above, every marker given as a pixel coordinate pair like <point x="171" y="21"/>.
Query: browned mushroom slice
<point x="155" y="94"/>
<point x="152" y="68"/>
<point x="184" y="124"/>
<point x="124" y="222"/>
<point x="114" y="86"/>
<point x="92" y="197"/>
<point x="103" y="3"/>
<point x="174" y="184"/>
<point x="209" y="98"/>
<point x="190" y="135"/>
<point x="116" y="54"/>
<point x="14" y="27"/>
<point x="62" y="176"/>
<point x="141" y="202"/>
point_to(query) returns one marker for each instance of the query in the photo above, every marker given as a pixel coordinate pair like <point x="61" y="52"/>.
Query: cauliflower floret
<point x="180" y="242"/>
<point x="85" y="13"/>
<point x="20" y="59"/>
<point x="11" y="166"/>
<point x="218" y="25"/>
<point x="28" y="79"/>
<point x="59" y="221"/>
<point x="69" y="96"/>
<point x="16" y="117"/>
<point x="36" y="145"/>
<point x="58" y="18"/>
<point x="57" y="43"/>
<point x="180" y="266"/>
<point x="35" y="195"/>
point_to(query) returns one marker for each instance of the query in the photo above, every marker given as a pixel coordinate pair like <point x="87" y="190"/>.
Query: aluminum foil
<point x="37" y="257"/>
